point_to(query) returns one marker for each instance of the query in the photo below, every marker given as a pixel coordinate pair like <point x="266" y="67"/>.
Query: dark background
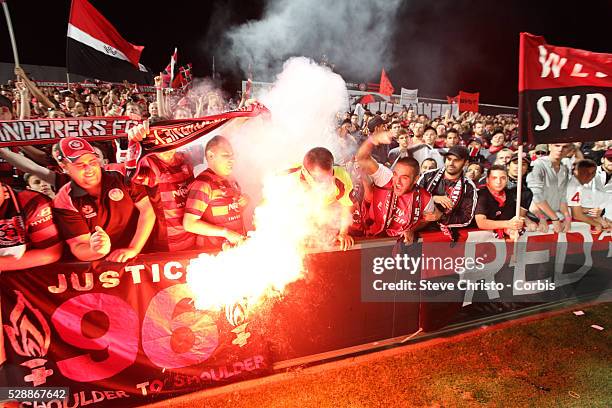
<point x="439" y="47"/>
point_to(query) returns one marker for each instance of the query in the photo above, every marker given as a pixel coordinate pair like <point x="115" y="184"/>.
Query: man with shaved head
<point x="215" y="202"/>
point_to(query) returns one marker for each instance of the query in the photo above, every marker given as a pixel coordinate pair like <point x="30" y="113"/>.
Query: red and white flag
<point x="563" y="93"/>
<point x="96" y="50"/>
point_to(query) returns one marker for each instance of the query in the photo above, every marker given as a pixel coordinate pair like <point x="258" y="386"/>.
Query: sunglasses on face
<point x="540" y="153"/>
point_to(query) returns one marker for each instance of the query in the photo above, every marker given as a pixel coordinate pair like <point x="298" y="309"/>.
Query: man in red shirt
<point x="215" y="202"/>
<point x="395" y="204"/>
<point x="28" y="236"/>
<point x="97" y="211"/>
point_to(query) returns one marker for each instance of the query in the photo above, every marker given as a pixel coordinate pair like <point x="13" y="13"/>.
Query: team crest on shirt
<point x="76" y="144"/>
<point x="88" y="211"/>
<point x="115" y="194"/>
<point x="497" y="213"/>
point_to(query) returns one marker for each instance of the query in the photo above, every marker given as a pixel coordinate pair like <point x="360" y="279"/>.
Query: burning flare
<point x="290" y="221"/>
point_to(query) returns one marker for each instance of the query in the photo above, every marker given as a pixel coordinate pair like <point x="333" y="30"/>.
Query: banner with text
<point x="563" y="93"/>
<point x="409" y="97"/>
<point x="122" y="335"/>
<point x="468" y="101"/>
<point x="48" y="131"/>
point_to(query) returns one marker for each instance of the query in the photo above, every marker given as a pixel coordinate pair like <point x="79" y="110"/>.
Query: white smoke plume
<point x="355" y="36"/>
<point x="303" y="103"/>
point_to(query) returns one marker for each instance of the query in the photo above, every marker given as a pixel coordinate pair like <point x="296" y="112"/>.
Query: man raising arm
<point x="395" y="205"/>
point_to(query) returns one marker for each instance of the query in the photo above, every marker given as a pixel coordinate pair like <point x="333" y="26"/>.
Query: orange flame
<point x="291" y="220"/>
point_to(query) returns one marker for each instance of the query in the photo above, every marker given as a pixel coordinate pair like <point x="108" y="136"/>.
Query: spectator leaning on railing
<point x="548" y="183"/>
<point x="97" y="212"/>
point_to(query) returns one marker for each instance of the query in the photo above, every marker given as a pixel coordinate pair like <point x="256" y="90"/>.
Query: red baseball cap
<point x="608" y="155"/>
<point x="71" y="148"/>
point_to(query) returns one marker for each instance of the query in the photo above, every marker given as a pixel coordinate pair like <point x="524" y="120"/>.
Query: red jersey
<point x="391" y="215"/>
<point x="167" y="186"/>
<point x="215" y="200"/>
<point x="26" y="217"/>
<point x="78" y="213"/>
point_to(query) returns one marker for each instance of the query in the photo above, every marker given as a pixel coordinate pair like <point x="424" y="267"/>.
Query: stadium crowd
<point x="405" y="173"/>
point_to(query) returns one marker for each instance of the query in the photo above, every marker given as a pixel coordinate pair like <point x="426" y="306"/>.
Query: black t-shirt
<point x="488" y="206"/>
<point x="526" y="194"/>
<point x="78" y="213"/>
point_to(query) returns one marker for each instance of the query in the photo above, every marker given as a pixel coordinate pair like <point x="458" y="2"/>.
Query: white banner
<point x="409" y="97"/>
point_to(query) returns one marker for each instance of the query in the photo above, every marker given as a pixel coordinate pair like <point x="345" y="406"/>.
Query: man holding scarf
<point x="393" y="205"/>
<point x="454" y="194"/>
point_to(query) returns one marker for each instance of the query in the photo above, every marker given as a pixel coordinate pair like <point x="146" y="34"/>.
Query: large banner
<point x="122" y="335"/>
<point x="164" y="135"/>
<point x="128" y="334"/>
<point x="563" y="92"/>
<point x="46" y="131"/>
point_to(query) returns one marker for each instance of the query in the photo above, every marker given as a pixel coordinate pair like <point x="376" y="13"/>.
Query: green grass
<point x="559" y="361"/>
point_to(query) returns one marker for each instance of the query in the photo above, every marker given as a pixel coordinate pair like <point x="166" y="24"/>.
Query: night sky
<point x="439" y="47"/>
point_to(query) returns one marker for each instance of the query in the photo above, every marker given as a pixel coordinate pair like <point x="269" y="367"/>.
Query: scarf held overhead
<point x="171" y="134"/>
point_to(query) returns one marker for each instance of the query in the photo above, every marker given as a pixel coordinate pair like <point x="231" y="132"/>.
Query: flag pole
<point x="213" y="68"/>
<point x="519" y="181"/>
<point x="7" y="15"/>
<point x="9" y="24"/>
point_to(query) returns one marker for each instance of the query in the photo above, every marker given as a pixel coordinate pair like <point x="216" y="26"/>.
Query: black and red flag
<point x="563" y="93"/>
<point x="95" y="49"/>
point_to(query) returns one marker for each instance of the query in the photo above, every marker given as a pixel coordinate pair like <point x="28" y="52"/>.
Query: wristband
<point x="568" y="218"/>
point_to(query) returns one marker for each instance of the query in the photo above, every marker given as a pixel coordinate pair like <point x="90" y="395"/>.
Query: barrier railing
<point x="127" y="334"/>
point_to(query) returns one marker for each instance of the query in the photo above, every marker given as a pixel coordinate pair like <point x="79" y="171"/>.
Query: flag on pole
<point x="385" y="84"/>
<point x="169" y="72"/>
<point x="96" y="50"/>
<point x="468" y="101"/>
<point x="563" y="93"/>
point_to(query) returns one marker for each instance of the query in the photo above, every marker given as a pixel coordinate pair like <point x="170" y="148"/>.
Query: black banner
<point x="562" y="115"/>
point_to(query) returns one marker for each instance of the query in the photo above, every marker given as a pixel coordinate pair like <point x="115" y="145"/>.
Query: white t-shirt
<point x="575" y="193"/>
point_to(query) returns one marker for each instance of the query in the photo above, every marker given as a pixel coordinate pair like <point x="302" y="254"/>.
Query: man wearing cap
<point x="28" y="236"/>
<point x="548" y="183"/>
<point x="97" y="213"/>
<point x="393" y="205"/>
<point x="539" y="151"/>
<point x="454" y="194"/>
<point x="474" y="148"/>
<point x="377" y="125"/>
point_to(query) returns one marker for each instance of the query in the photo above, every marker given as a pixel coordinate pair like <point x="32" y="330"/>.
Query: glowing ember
<point x="290" y="220"/>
